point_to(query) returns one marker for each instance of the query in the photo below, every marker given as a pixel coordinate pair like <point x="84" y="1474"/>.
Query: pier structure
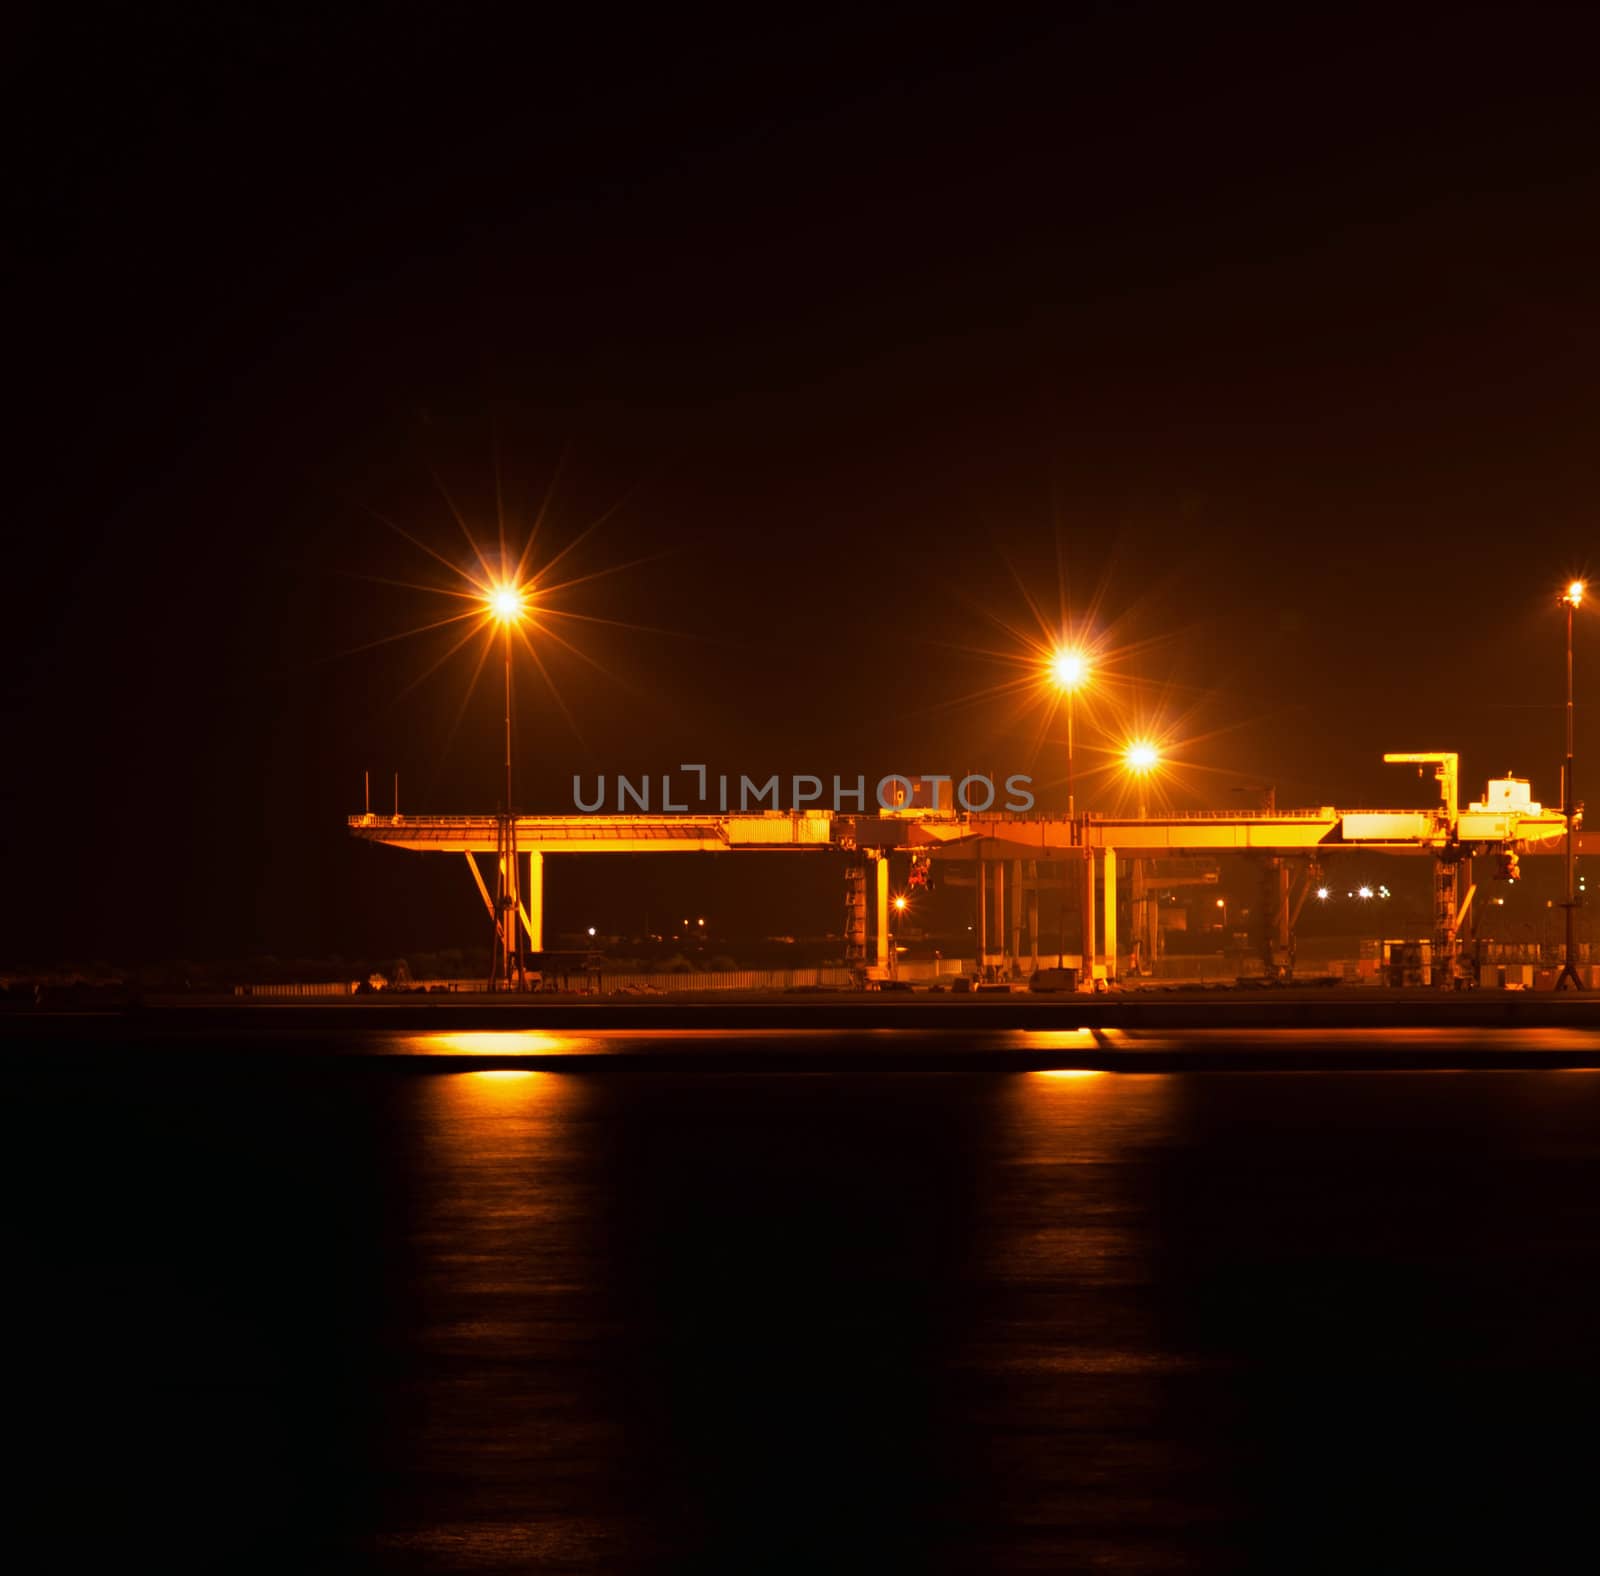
<point x="1008" y="859"/>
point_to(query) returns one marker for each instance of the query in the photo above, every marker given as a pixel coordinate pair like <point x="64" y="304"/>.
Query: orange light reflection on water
<point x="496" y="1113"/>
<point x="495" y="1042"/>
<point x="1084" y="1042"/>
<point x="495" y="1095"/>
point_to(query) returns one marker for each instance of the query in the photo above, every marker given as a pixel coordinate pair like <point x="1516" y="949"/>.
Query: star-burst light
<point x="499" y="593"/>
<point x="1068" y="668"/>
<point x="507" y="603"/>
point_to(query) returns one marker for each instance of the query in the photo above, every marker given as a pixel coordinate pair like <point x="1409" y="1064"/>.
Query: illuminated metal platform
<point x="1085" y="848"/>
<point x="1283" y="833"/>
<point x="600" y="834"/>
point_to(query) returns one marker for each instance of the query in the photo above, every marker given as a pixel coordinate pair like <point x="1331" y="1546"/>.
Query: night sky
<point x="1276" y="343"/>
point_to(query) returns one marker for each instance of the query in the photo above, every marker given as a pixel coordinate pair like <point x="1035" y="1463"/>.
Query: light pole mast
<point x="1072" y="804"/>
<point x="1068" y="669"/>
<point x="510" y="949"/>
<point x="506" y="604"/>
<point x="1571" y="600"/>
<point x="1142" y="758"/>
<point x="508" y="719"/>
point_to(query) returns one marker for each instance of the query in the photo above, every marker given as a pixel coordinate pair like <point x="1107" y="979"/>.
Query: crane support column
<point x="982" y="887"/>
<point x="880" y="870"/>
<point x="855" y="920"/>
<point x="533" y="901"/>
<point x="1087" y="945"/>
<point x="505" y="963"/>
<point x="1014" y="929"/>
<point x="1275" y="919"/>
<point x="1000" y="911"/>
<point x="1110" y="951"/>
<point x="1144" y="917"/>
<point x="1446" y="896"/>
<point x="1033" y="914"/>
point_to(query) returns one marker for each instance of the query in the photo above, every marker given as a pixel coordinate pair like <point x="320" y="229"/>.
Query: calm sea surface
<point x="332" y="1310"/>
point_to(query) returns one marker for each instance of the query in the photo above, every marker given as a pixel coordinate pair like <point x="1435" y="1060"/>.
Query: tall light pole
<point x="1068" y="671"/>
<point x="1141" y="758"/>
<point x="1571" y="599"/>
<point x="507" y="605"/>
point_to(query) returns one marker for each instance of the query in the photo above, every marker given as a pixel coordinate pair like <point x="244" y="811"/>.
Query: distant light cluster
<point x="1360" y="894"/>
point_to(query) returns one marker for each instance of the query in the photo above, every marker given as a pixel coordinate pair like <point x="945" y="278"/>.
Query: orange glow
<point x="493" y="1042"/>
<point x="1068" y="669"/>
<point x="506" y="602"/>
<point x="900" y="905"/>
<point x="500" y="1119"/>
<point x="1141" y="756"/>
<point x="1575" y="593"/>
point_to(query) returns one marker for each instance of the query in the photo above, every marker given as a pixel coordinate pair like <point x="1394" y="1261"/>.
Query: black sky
<point x="1281" y="335"/>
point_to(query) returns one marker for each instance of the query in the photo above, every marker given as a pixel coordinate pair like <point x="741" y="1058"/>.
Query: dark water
<point x="340" y="1312"/>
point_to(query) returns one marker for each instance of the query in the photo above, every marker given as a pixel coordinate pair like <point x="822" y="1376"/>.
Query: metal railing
<point x="1325" y="814"/>
<point x="671" y="822"/>
<point x="583" y="825"/>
